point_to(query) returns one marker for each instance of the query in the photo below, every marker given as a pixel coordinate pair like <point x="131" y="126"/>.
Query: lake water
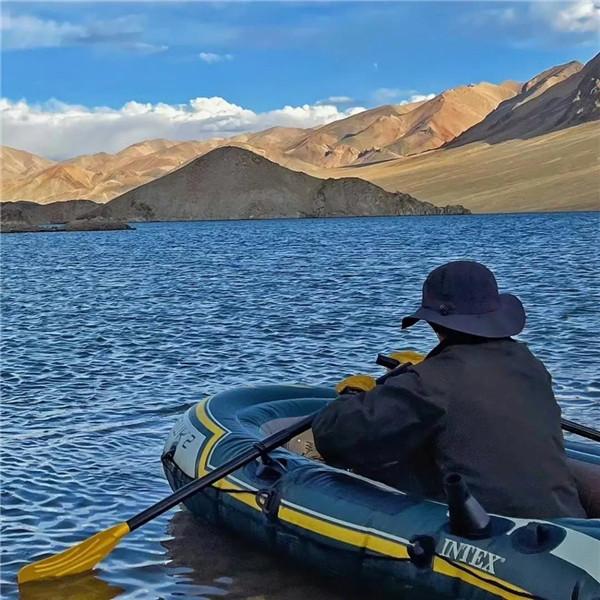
<point x="107" y="337"/>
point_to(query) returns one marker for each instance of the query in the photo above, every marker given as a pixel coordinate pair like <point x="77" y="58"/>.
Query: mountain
<point x="234" y="183"/>
<point x="558" y="98"/>
<point x="392" y="131"/>
<point x="16" y="163"/>
<point x="538" y="151"/>
<point x="274" y="138"/>
<point x="386" y="144"/>
<point x="552" y="172"/>
<point x="129" y="155"/>
<point x="378" y="134"/>
<point x="60" y="180"/>
<point x="104" y="176"/>
<point x="324" y="146"/>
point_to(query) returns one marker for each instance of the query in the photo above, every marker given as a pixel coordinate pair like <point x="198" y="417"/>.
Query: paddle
<point x="85" y="555"/>
<point x="391" y="362"/>
<point x="582" y="430"/>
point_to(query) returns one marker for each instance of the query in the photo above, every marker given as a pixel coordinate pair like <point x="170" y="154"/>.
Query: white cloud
<point x="212" y="57"/>
<point x="59" y="130"/>
<point x="25" y="31"/>
<point x="539" y="23"/>
<point x="498" y="16"/>
<point x="387" y="94"/>
<point x="397" y="96"/>
<point x="417" y="98"/>
<point x="582" y="16"/>
<point x="335" y="100"/>
<point x="21" y="32"/>
<point x="144" y="47"/>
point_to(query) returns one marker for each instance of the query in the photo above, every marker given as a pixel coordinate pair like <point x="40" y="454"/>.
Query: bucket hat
<point x="463" y="296"/>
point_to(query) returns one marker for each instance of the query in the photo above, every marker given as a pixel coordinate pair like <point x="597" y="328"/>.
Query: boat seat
<point x="303" y="444"/>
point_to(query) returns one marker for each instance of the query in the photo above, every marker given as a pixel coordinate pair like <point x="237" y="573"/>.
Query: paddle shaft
<point x="587" y="432"/>
<point x="582" y="430"/>
<point x="193" y="487"/>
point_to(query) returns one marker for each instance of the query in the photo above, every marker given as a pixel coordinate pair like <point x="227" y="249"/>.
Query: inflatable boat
<point x="363" y="532"/>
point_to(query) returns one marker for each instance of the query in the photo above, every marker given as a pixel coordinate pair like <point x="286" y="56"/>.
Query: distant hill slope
<point x="558" y="98"/>
<point x="16" y="163"/>
<point x="233" y="183"/>
<point x="556" y="171"/>
<point x="60" y="180"/>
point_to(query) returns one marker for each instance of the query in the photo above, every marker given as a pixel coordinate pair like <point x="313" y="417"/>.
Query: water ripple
<point x="108" y="336"/>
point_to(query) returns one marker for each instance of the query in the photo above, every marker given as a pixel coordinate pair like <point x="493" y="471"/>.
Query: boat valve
<point x="421" y="551"/>
<point x="468" y="518"/>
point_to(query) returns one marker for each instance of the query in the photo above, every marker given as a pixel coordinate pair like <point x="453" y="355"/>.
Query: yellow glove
<point x="355" y="383"/>
<point x="407" y="356"/>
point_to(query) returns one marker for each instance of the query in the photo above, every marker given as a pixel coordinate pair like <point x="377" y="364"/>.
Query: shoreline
<point x="63" y="228"/>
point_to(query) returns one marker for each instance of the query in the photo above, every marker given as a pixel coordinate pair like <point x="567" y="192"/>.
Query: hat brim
<point x="508" y="320"/>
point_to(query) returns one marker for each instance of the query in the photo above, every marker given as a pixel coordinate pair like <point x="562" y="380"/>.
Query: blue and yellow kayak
<point x="352" y="528"/>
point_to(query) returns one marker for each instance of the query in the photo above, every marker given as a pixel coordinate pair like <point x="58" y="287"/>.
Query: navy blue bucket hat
<point x="463" y="296"/>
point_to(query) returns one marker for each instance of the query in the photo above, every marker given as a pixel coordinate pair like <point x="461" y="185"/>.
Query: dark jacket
<point x="481" y="408"/>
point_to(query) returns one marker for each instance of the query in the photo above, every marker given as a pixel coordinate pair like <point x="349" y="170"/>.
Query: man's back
<point x="485" y="410"/>
<point x="501" y="429"/>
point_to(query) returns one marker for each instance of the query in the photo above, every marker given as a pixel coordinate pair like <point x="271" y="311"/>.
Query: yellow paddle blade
<point x="404" y="356"/>
<point x="82" y="557"/>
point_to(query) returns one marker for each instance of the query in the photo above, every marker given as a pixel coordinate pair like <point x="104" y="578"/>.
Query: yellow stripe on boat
<point x="217" y="434"/>
<point x="340" y="533"/>
<point x="445" y="568"/>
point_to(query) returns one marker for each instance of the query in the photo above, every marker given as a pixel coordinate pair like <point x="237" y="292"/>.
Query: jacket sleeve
<point x="369" y="429"/>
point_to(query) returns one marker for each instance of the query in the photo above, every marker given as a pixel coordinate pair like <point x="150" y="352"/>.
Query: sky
<point x="86" y="77"/>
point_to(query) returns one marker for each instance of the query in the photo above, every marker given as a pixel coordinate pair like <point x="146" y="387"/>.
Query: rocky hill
<point x="32" y="213"/>
<point x="234" y="183"/>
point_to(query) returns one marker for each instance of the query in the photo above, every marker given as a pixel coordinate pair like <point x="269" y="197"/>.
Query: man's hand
<point x="355" y="384"/>
<point x="407" y="356"/>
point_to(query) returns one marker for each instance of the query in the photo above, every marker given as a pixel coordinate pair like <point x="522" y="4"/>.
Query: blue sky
<point x="262" y="57"/>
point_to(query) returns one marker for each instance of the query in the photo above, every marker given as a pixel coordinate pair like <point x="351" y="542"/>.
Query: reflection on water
<point x="108" y="336"/>
<point x="80" y="587"/>
<point x="220" y="555"/>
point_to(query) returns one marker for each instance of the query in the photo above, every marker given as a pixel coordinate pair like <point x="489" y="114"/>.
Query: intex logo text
<point x="471" y="555"/>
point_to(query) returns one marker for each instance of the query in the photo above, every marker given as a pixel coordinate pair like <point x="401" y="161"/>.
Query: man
<point x="480" y="405"/>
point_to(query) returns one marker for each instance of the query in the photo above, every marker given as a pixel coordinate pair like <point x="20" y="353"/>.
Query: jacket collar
<point x="461" y="339"/>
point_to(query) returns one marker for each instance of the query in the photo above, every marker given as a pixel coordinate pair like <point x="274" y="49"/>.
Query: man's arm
<point x="369" y="429"/>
